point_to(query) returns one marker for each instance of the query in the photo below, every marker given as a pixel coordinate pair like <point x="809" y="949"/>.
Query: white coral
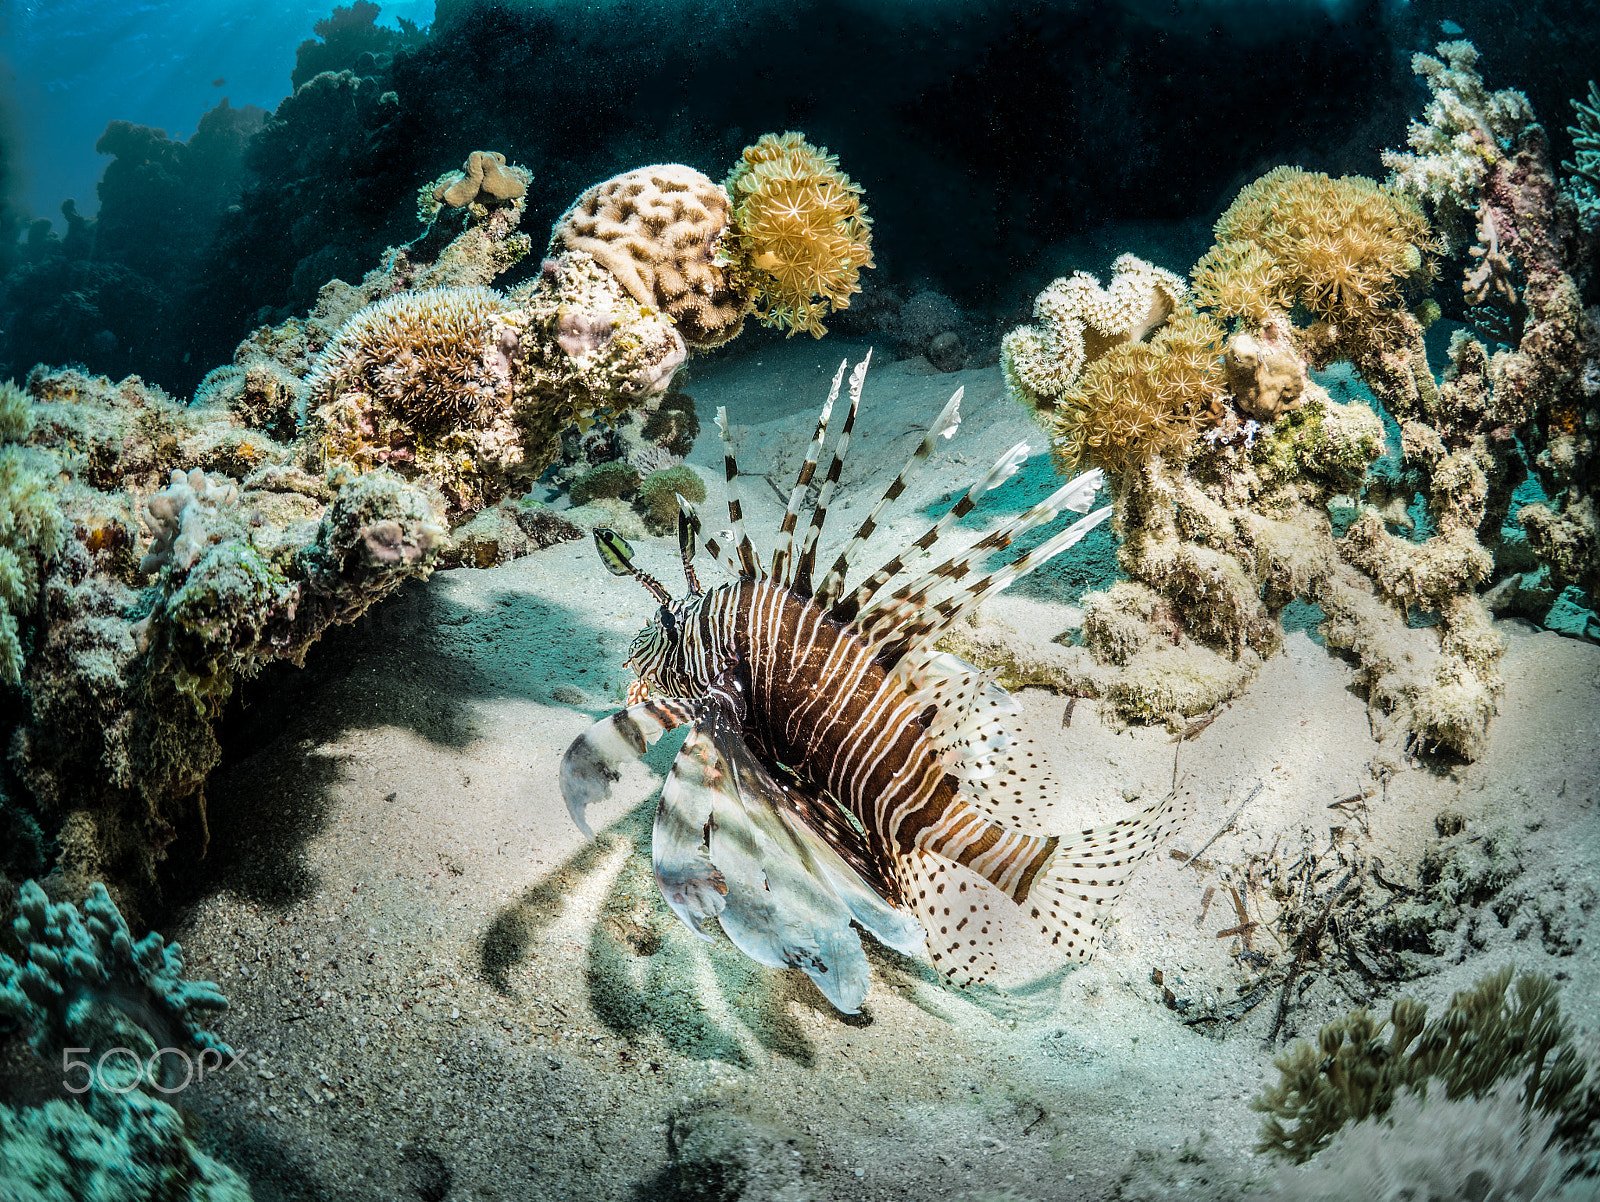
<point x="1077" y="320"/>
<point x="179" y="518"/>
<point x="1464" y="129"/>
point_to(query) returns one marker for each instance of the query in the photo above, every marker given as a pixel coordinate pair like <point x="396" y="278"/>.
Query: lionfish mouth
<point x="638" y="691"/>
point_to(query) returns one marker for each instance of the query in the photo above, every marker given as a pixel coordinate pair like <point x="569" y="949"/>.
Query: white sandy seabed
<point x="443" y="991"/>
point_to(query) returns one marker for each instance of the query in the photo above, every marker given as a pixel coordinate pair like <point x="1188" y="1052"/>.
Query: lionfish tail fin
<point x="782" y="549"/>
<point x="832" y="588"/>
<point x="807" y="562"/>
<point x="1073" y="898"/>
<point x="749" y="565"/>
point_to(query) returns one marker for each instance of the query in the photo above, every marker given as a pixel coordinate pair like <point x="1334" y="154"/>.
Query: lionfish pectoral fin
<point x="694" y="889"/>
<point x="781" y="903"/>
<point x="1073" y="897"/>
<point x="589" y="767"/>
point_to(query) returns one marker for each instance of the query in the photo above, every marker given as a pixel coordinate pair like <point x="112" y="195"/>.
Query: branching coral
<point x="117" y="1148"/>
<point x="85" y="984"/>
<point x="1493" y="270"/>
<point x="1465" y="130"/>
<point x="1500" y="1030"/>
<point x="1586" y="149"/>
<point x="800" y="232"/>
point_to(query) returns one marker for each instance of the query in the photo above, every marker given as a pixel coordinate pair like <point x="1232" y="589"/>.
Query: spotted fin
<point x="589" y="767"/>
<point x="783" y="896"/>
<point x="959" y="926"/>
<point x="1072" y="898"/>
<point x="970" y="717"/>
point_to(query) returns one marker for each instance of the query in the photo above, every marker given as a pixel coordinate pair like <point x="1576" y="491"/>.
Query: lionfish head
<point x="654" y="649"/>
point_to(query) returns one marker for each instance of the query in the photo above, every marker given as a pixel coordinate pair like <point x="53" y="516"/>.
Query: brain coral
<point x="801" y="234"/>
<point x="1078" y="321"/>
<point x="1344" y="248"/>
<point x="659" y="231"/>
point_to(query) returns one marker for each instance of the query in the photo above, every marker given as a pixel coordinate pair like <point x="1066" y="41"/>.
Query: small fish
<point x="217" y="83"/>
<point x="837" y="767"/>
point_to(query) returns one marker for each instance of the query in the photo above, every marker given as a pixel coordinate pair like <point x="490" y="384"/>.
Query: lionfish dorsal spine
<point x="876" y="622"/>
<point x="807" y="563"/>
<point x="832" y="588"/>
<point x="916" y="614"/>
<point x="791" y="514"/>
<point x="749" y="564"/>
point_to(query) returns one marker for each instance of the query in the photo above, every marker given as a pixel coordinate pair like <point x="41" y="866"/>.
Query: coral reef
<point x="31" y="527"/>
<point x="1291" y="494"/>
<point x="1500" y="1030"/>
<point x="800" y="234"/>
<point x="308" y="479"/>
<point x="120" y="292"/>
<point x="85" y="984"/>
<point x="136" y="645"/>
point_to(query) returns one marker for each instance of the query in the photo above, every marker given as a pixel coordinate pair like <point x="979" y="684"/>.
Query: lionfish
<point x="836" y="765"/>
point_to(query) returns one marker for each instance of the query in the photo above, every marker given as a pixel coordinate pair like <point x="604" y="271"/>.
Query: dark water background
<point x="999" y="143"/>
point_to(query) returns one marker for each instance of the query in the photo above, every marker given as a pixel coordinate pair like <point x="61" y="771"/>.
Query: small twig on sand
<point x="1228" y="825"/>
<point x="1309" y="939"/>
<point x="1066" y="717"/>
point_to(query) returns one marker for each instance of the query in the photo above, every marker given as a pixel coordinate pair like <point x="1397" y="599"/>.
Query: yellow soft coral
<point x="1343" y="248"/>
<point x="800" y="232"/>
<point x="1141" y="399"/>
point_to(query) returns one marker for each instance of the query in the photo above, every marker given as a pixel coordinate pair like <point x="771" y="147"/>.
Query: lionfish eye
<point x="668" y="622"/>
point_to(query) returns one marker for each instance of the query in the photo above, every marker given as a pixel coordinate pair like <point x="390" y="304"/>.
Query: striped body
<point x="814" y="698"/>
